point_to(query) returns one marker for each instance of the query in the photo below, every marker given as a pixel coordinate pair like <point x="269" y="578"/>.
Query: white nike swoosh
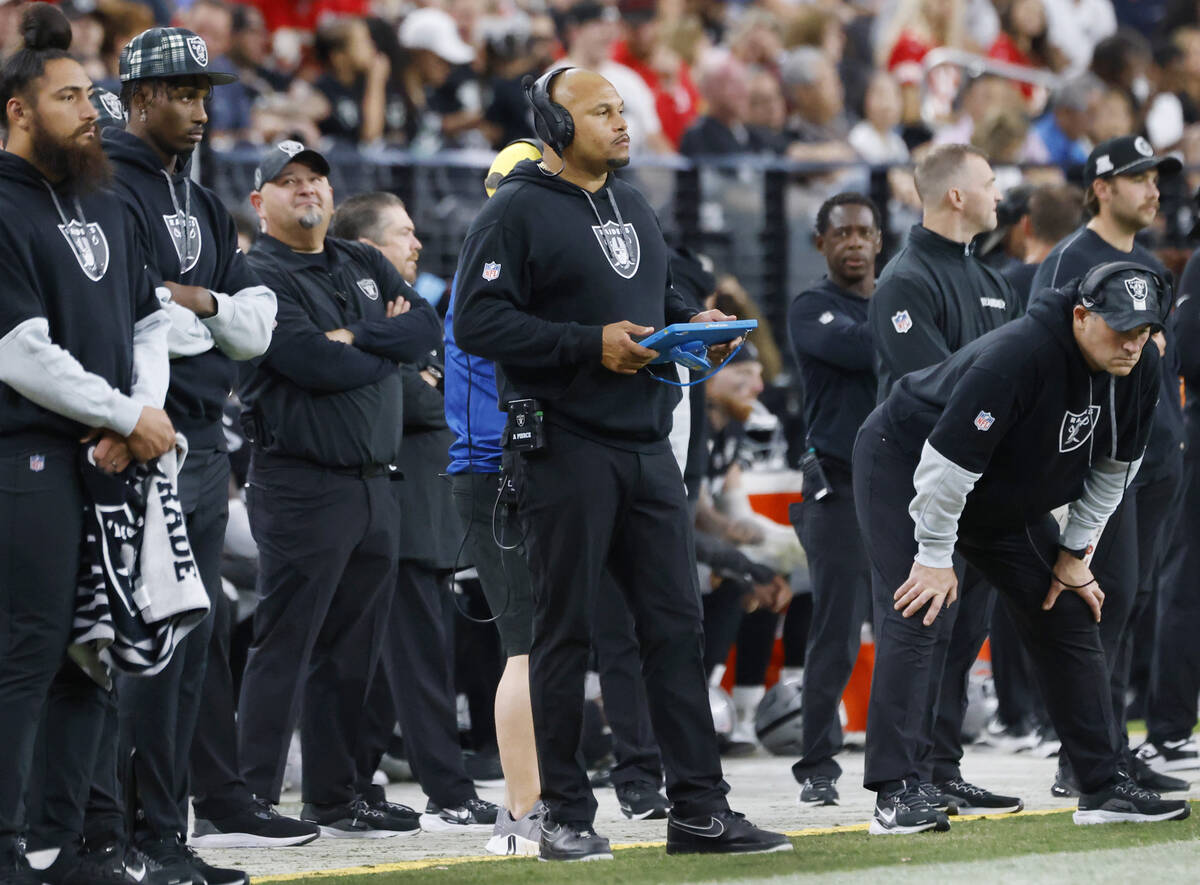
<point x="139" y="874"/>
<point x="714" y="830"/>
<point x="889" y="816"/>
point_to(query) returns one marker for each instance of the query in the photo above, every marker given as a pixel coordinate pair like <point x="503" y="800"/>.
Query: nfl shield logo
<point x="37" y="463"/>
<point x="902" y="321"/>
<point x="185" y="237"/>
<point x="369" y="288"/>
<point x="984" y="421"/>
<point x="89" y="245"/>
<point x="491" y="271"/>
<point x="1138" y="289"/>
<point x="199" y="50"/>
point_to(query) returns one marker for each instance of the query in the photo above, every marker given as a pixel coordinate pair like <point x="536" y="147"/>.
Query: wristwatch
<point x="1081" y="553"/>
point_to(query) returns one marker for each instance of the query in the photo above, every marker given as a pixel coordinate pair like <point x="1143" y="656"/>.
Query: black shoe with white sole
<point x="474" y="814"/>
<point x="1170" y="755"/>
<point x="906" y="811"/>
<point x="1160" y="782"/>
<point x="572" y="842"/>
<point x="258" y="825"/>
<point x="1064" y="786"/>
<point x="970" y="799"/>
<point x="355" y="820"/>
<point x="642" y="802"/>
<point x="1127" y="802"/>
<point x="819" y="791"/>
<point x="722" y="832"/>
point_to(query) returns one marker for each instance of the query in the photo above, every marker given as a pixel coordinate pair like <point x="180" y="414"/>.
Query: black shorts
<point x="504" y="574"/>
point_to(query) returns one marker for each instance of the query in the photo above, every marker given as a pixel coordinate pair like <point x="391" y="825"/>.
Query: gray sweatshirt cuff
<point x="942" y="488"/>
<point x="1102" y="491"/>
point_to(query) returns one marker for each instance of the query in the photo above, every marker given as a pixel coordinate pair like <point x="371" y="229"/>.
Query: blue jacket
<point x="470" y="383"/>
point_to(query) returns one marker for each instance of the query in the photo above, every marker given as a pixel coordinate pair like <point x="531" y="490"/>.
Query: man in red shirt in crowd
<point x="675" y="95"/>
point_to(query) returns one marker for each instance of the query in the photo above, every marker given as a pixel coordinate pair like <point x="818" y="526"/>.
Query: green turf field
<point x="975" y="850"/>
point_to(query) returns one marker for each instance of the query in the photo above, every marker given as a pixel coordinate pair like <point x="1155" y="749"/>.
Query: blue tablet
<point x="694" y="335"/>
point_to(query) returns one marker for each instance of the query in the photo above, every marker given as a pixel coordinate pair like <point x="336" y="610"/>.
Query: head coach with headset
<point x="561" y="267"/>
<point x="971" y="456"/>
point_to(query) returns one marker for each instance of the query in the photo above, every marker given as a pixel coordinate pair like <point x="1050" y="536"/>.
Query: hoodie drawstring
<point x="63" y="215"/>
<point x="1112" y="413"/>
<point x="616" y="211"/>
<point x="186" y="258"/>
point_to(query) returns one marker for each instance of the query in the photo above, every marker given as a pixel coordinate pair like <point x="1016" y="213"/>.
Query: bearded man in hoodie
<point x="220" y="313"/>
<point x="561" y="268"/>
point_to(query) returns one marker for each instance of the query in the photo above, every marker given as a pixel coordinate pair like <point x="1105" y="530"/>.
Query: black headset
<point x="551" y="121"/>
<point x="1102" y="273"/>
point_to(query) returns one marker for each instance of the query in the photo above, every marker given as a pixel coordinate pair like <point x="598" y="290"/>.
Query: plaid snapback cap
<point x="169" y="52"/>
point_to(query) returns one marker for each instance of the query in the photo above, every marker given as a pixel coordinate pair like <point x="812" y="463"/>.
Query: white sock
<point x="791" y="674"/>
<point x="42" y="859"/>
<point x="746" y="698"/>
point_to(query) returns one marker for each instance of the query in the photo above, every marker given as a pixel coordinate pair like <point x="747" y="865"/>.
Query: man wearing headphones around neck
<point x="1122" y="198"/>
<point x="971" y="456"/>
<point x="560" y="269"/>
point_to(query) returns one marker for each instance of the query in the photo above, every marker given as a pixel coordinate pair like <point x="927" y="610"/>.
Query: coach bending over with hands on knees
<point x="971" y="455"/>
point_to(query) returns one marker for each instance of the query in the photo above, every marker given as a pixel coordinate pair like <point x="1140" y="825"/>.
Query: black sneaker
<point x="906" y="811"/>
<point x="642" y="802"/>
<point x="970" y="799"/>
<point x="351" y="820"/>
<point x="173" y="859"/>
<point x="1064" y="786"/>
<point x="937" y="800"/>
<point x="1128" y="802"/>
<point x="394" y="816"/>
<point x="103" y="865"/>
<point x="474" y="814"/>
<point x="211" y="875"/>
<point x="722" y="832"/>
<point x="1170" y="755"/>
<point x="257" y="826"/>
<point x="1159" y="782"/>
<point x="572" y="842"/>
<point x="818" y="791"/>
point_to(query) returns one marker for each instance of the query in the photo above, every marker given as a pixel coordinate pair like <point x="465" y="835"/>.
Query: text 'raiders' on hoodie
<point x="192" y="240"/>
<point x="82" y="339"/>
<point x="1020" y="415"/>
<point x="544" y="267"/>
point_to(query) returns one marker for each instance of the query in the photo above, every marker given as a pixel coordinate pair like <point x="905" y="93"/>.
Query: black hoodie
<point x="1021" y="407"/>
<point x="204" y="253"/>
<point x="79" y="266"/>
<point x="544" y="267"/>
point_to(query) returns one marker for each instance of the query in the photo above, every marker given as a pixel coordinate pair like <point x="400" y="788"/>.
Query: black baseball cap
<point x="169" y="52"/>
<point x="1128" y="295"/>
<point x="1127" y="155"/>
<point x="278" y="155"/>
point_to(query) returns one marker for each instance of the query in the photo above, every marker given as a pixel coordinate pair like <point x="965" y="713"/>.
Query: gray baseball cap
<point x="278" y="155"/>
<point x="169" y="52"/>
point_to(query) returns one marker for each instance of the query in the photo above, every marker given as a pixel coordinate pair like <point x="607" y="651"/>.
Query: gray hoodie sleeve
<point x="46" y="374"/>
<point x="1102" y="491"/>
<point x="942" y="488"/>
<point x="151" y="365"/>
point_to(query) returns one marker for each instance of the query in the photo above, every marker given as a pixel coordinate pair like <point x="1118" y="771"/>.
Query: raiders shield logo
<point x="185" y="237"/>
<point x="199" y="50"/>
<point x="369" y="288"/>
<point x="1076" y="428"/>
<point x="112" y="104"/>
<point x="621" y="247"/>
<point x="90" y="246"/>
<point x="1138" y="289"/>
